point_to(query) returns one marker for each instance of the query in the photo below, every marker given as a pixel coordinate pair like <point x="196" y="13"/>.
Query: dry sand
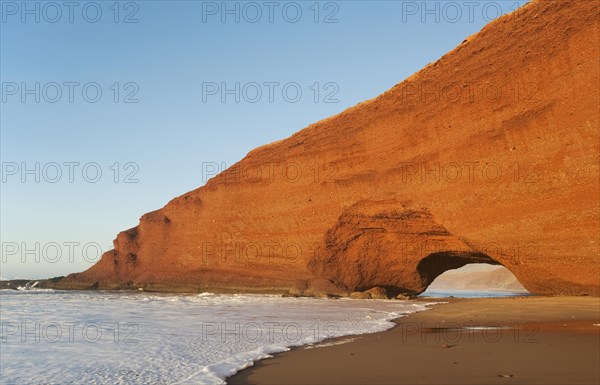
<point x="547" y="340"/>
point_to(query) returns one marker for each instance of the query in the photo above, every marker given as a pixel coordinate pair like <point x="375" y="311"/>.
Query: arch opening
<point x="476" y="280"/>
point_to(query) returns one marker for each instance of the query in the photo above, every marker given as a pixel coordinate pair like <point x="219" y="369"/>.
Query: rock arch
<point x="390" y="244"/>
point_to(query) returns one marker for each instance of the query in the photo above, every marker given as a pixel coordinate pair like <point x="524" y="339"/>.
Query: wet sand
<point x="525" y="340"/>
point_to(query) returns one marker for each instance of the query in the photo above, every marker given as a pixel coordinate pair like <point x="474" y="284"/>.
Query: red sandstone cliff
<point x="489" y="154"/>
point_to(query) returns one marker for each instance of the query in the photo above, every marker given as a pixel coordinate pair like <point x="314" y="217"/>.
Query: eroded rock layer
<point x="489" y="154"/>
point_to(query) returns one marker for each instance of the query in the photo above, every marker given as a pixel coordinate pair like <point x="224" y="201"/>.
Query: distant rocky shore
<point x="55" y="283"/>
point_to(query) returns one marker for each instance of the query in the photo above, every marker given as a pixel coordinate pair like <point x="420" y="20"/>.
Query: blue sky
<point x="137" y="86"/>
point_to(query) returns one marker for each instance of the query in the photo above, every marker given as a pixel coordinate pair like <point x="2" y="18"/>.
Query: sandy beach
<point x="523" y="340"/>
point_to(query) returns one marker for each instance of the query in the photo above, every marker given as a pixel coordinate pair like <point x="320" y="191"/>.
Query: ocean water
<point x="67" y="337"/>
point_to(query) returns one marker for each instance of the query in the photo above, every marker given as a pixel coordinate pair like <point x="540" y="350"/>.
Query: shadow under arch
<point x="435" y="264"/>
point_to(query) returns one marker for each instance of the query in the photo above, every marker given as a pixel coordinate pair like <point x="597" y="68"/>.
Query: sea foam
<point x="133" y="338"/>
